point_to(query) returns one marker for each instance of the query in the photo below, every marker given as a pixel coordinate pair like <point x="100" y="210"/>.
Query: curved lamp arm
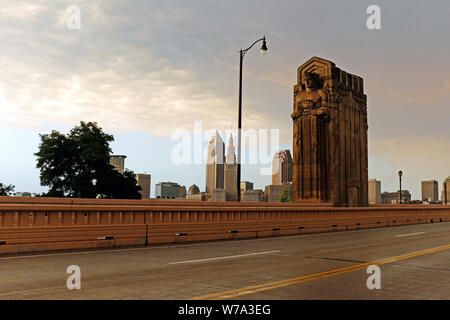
<point x="244" y="51"/>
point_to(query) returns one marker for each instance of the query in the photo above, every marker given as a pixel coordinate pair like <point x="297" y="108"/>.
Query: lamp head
<point x="264" y="46"/>
<point x="400" y="173"/>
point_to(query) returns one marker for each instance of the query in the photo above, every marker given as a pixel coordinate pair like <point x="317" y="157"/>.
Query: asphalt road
<point x="414" y="263"/>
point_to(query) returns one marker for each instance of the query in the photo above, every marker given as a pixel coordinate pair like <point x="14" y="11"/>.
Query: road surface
<point x="414" y="263"/>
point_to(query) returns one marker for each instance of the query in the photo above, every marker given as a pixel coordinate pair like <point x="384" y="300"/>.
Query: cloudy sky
<point x="143" y="69"/>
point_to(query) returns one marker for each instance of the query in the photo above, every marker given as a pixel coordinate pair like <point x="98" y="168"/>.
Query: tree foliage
<point x="6" y="190"/>
<point x="286" y="195"/>
<point x="77" y="165"/>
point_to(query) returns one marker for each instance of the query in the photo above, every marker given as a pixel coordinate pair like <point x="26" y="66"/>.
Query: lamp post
<point x="241" y="59"/>
<point x="400" y="173"/>
<point x="445" y="192"/>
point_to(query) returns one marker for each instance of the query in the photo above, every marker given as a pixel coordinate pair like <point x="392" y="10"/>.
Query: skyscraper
<point x="144" y="180"/>
<point x="118" y="162"/>
<point x="230" y="173"/>
<point x="282" y="167"/>
<point x="430" y="191"/>
<point x="374" y="191"/>
<point x="215" y="164"/>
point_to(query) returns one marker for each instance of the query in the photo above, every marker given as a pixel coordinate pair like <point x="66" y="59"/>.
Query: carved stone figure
<point x="329" y="136"/>
<point x="312" y="100"/>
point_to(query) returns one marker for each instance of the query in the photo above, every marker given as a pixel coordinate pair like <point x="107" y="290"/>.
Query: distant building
<point x="217" y="195"/>
<point x="118" y="162"/>
<point x="430" y="192"/>
<point x="230" y="173"/>
<point x="394" y="197"/>
<point x="193" y="189"/>
<point x="195" y="194"/>
<point x="183" y="192"/>
<point x="197" y="197"/>
<point x="446" y="189"/>
<point x="282" y="167"/>
<point x="245" y="185"/>
<point x="22" y="194"/>
<point x="144" y="181"/>
<point x="252" y="196"/>
<point x="215" y="164"/>
<point x="272" y="193"/>
<point x="167" y="190"/>
<point x="374" y="190"/>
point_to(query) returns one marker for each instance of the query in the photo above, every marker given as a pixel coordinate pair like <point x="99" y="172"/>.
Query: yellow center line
<point x="282" y="283"/>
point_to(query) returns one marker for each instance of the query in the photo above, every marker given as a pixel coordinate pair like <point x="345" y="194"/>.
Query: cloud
<point x="159" y="66"/>
<point x="110" y="71"/>
<point x="19" y="10"/>
<point x="156" y="102"/>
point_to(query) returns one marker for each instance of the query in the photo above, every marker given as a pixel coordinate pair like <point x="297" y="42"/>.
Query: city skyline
<point x="142" y="73"/>
<point x="225" y="154"/>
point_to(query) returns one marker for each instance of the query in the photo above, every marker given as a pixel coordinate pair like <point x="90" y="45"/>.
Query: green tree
<point x="77" y="165"/>
<point x="286" y="195"/>
<point x="6" y="190"/>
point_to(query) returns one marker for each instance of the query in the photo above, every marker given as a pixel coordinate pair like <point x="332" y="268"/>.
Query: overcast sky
<point x="143" y="69"/>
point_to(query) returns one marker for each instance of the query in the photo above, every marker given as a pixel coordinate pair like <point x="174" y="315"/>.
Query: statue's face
<point x="309" y="83"/>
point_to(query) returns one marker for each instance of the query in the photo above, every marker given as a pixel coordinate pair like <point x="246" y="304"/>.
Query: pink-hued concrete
<point x="41" y="224"/>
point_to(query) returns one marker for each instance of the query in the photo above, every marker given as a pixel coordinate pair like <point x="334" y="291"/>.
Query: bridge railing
<point x="40" y="224"/>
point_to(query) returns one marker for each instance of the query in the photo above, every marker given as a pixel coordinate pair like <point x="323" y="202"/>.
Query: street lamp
<point x="445" y="192"/>
<point x="400" y="173"/>
<point x="241" y="59"/>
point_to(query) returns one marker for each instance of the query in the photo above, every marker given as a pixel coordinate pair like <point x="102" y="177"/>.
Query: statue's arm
<point x="325" y="102"/>
<point x="325" y="96"/>
<point x="297" y="109"/>
<point x="296" y="114"/>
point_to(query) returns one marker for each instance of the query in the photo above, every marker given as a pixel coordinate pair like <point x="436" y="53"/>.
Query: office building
<point x="118" y="162"/>
<point x="245" y="185"/>
<point x="230" y="173"/>
<point x="394" y="197"/>
<point x="374" y="191"/>
<point x="215" y="164"/>
<point x="183" y="192"/>
<point x="272" y="193"/>
<point x="252" y="196"/>
<point x="430" y="192"/>
<point x="217" y="195"/>
<point x="144" y="181"/>
<point x="167" y="190"/>
<point x="282" y="167"/>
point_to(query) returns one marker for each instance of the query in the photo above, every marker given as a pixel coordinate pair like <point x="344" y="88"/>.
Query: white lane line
<point x="226" y="257"/>
<point x="408" y="234"/>
<point x="73" y="253"/>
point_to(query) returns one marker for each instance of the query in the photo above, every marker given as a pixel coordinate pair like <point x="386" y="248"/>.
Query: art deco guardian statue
<point x="330" y="136"/>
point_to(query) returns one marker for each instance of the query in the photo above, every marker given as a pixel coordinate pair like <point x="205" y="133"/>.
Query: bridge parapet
<point x="40" y="224"/>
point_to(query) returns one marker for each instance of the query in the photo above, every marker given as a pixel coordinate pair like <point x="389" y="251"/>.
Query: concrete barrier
<point x="41" y="224"/>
